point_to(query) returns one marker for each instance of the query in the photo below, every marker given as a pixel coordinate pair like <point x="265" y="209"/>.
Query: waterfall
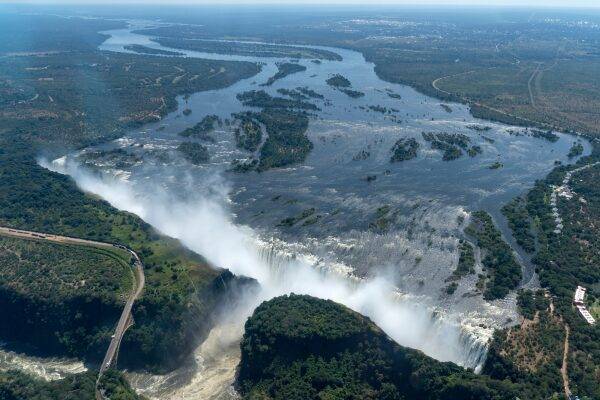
<point x="436" y="332"/>
<point x="204" y="225"/>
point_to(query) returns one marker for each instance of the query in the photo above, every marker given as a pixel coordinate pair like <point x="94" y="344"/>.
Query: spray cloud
<point x="204" y="224"/>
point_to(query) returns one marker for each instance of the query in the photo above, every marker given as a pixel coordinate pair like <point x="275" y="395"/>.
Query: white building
<point x="578" y="300"/>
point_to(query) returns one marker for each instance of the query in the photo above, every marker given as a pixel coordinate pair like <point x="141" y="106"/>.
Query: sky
<point x="539" y="3"/>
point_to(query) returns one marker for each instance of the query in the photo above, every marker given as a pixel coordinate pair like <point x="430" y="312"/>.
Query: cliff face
<point x="77" y="326"/>
<point x="300" y="347"/>
<point x="65" y="300"/>
<point x="161" y="340"/>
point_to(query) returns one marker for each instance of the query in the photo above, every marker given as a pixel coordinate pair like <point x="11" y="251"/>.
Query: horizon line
<point x="275" y="3"/>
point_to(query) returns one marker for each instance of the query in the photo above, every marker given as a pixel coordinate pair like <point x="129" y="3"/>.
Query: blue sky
<point x="540" y="3"/>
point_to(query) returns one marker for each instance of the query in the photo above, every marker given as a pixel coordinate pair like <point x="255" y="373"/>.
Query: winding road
<point x="126" y="319"/>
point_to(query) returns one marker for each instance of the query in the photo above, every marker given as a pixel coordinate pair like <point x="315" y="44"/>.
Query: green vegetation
<point x="260" y="98"/>
<point x="540" y="80"/>
<point x="393" y="95"/>
<point x="479" y="128"/>
<point x="404" y="149"/>
<point x="179" y="284"/>
<point x="546" y="135"/>
<point x="114" y="386"/>
<point x="474" y="151"/>
<point x="451" y="144"/>
<point x="530" y="353"/>
<point x="342" y="84"/>
<point x="513" y="68"/>
<point x="504" y="273"/>
<point x="179" y="41"/>
<point x="72" y="295"/>
<point x="293" y="93"/>
<point x="300" y="93"/>
<point x="291" y="221"/>
<point x="194" y="152"/>
<point x="384" y="217"/>
<point x="287" y="143"/>
<point x="530" y="303"/>
<point x="85" y="96"/>
<point x="446" y="108"/>
<point x="575" y="150"/>
<point x="520" y="224"/>
<point x="451" y="288"/>
<point x="202" y="129"/>
<point x="563" y="262"/>
<point x="361" y="155"/>
<point x="466" y="261"/>
<point x="15" y="385"/>
<point x="284" y="69"/>
<point x="138" y="48"/>
<point x="299" y="347"/>
<point x="310" y="93"/>
<point x="382" y="109"/>
<point x="248" y="135"/>
<point x="339" y="81"/>
<point x="355" y="94"/>
<point x="285" y="124"/>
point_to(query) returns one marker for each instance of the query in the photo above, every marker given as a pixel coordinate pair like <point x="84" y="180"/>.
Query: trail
<point x="531" y="78"/>
<point x="126" y="320"/>
<point x="563" y="369"/>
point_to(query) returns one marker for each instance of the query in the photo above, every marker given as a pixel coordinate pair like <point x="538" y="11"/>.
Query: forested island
<point x="284" y="69"/>
<point x="502" y="269"/>
<point x="404" y="149"/>
<point x="297" y="347"/>
<point x="342" y="84"/>
<point x="239" y="48"/>
<point x="194" y="152"/>
<point x="138" y="48"/>
<point x="285" y="122"/>
<point x="203" y="128"/>
<point x="451" y="145"/>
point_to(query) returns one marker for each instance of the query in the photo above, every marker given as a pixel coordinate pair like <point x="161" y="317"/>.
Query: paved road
<point x="124" y="320"/>
<point x="138" y="286"/>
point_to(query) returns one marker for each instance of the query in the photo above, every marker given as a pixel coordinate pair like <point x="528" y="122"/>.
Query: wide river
<point x="395" y="276"/>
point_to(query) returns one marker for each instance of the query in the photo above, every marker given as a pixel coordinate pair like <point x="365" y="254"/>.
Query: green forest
<point x="72" y="295"/>
<point x="503" y="272"/>
<point x="87" y="96"/>
<point x="301" y="348"/>
<point x="15" y="385"/>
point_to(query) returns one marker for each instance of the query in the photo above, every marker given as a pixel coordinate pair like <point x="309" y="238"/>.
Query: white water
<point x="204" y="222"/>
<point x="205" y="226"/>
<point x="48" y="369"/>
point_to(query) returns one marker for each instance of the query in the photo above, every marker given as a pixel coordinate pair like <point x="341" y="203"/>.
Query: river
<point x="396" y="276"/>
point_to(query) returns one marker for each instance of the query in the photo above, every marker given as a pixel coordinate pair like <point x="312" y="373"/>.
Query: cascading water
<point x="395" y="278"/>
<point x="201" y="222"/>
<point x="48" y="369"/>
<point x="469" y="349"/>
